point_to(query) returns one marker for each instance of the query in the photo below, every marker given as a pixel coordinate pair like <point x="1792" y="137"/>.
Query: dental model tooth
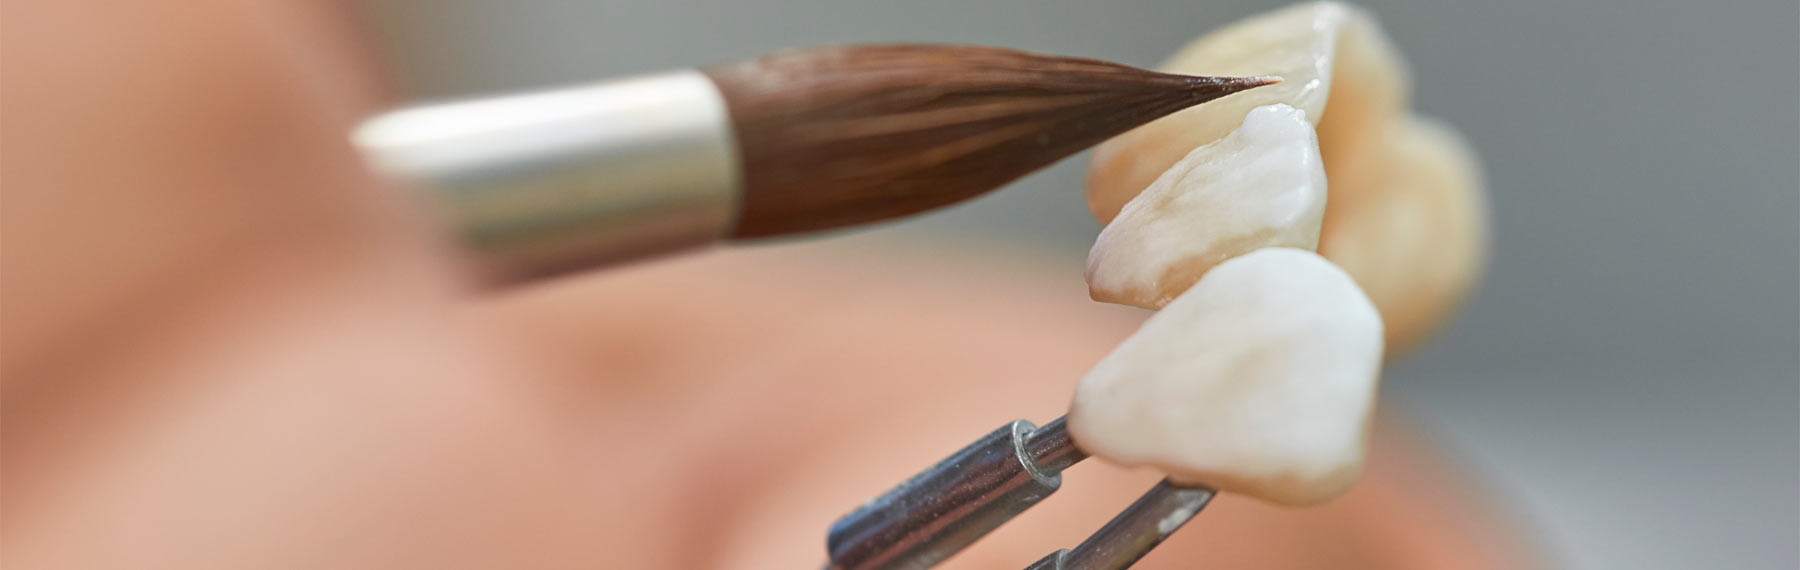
<point x="1415" y="244"/>
<point x="1335" y="64"/>
<point x="1259" y="380"/>
<point x="1406" y="216"/>
<point x="1261" y="186"/>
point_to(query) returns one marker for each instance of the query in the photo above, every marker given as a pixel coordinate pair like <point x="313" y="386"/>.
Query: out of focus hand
<point x="227" y="346"/>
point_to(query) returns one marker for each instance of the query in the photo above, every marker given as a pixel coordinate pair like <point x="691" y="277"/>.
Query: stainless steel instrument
<point x="949" y="506"/>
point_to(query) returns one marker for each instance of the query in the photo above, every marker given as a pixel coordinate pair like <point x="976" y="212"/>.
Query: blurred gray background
<point x="1627" y="377"/>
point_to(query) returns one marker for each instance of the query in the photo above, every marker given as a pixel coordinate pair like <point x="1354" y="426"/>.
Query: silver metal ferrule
<point x="559" y="180"/>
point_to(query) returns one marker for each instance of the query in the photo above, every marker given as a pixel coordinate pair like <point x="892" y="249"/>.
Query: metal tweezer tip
<point x="1132" y="534"/>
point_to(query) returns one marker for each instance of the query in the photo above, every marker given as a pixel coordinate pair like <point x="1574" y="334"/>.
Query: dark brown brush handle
<point x="839" y="136"/>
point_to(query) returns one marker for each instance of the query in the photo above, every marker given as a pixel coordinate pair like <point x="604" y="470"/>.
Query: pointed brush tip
<point x="1206" y="88"/>
<point x="1239" y="83"/>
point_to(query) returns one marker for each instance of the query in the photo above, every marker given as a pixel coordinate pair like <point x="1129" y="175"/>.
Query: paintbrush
<point x="797" y="141"/>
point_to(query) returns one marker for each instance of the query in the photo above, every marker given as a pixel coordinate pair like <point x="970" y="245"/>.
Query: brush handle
<point x="554" y="181"/>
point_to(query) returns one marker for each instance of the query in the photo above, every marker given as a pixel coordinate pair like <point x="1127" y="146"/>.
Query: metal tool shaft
<point x="945" y="508"/>
<point x="1132" y="534"/>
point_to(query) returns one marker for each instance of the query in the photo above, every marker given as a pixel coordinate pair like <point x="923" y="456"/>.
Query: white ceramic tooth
<point x="1335" y="64"/>
<point x="1416" y="243"/>
<point x="1261" y="186"/>
<point x="1259" y="380"/>
<point x="1406" y="215"/>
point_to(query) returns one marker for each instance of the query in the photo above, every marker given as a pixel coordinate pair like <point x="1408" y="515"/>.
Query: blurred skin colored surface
<point x="227" y="347"/>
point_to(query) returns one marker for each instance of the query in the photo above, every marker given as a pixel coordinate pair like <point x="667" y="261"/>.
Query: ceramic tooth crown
<point x="1259" y="380"/>
<point x="1261" y="186"/>
<point x="1407" y="213"/>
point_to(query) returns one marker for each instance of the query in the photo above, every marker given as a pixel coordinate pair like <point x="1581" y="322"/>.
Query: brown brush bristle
<point x="838" y="136"/>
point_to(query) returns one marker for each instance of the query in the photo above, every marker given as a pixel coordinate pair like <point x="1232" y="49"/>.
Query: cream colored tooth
<point x="1334" y="62"/>
<point x="1261" y="186"/>
<point x="1406" y="215"/>
<point x="1259" y="380"/>
<point x="1416" y="243"/>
